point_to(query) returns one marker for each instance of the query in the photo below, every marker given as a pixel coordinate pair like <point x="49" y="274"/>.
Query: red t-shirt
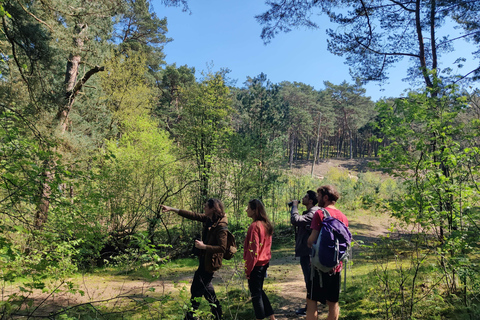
<point x="257" y="246"/>
<point x="317" y="224"/>
<point x="318" y="218"/>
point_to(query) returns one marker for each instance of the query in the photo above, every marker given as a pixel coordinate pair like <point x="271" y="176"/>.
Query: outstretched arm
<point x="167" y="208"/>
<point x="186" y="214"/>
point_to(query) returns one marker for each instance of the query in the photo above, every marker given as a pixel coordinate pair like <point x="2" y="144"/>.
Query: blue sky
<point x="225" y="33"/>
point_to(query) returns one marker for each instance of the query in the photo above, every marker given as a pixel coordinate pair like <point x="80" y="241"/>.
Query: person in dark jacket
<point x="211" y="247"/>
<point x="302" y="230"/>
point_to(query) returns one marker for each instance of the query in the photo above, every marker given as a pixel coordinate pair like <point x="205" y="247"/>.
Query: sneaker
<point x="301" y="312"/>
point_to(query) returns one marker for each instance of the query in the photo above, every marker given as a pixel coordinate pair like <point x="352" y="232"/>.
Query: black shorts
<point x="330" y="289"/>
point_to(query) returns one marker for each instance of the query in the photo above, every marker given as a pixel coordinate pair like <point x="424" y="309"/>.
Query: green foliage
<point x="351" y="108"/>
<point x="30" y="259"/>
<point x="127" y="92"/>
<point x="140" y="30"/>
<point x="103" y="179"/>
<point x="302" y="109"/>
<point x="367" y="33"/>
<point x="205" y="127"/>
<point x="174" y="87"/>
<point x="440" y="174"/>
<point x="137" y="176"/>
<point x="258" y="144"/>
<point x="400" y="279"/>
<point x="21" y="162"/>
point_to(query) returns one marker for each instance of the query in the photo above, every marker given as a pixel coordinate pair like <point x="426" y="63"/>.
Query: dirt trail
<point x="285" y="275"/>
<point x="285" y="280"/>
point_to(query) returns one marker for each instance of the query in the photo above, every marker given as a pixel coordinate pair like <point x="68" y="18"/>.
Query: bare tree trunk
<point x="292" y="146"/>
<point x="41" y="215"/>
<point x="316" y="146"/>
<point x="309" y="148"/>
<point x="71" y="79"/>
<point x="351" y="144"/>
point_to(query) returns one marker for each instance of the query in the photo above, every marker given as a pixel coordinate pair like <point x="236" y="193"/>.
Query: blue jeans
<point x="261" y="304"/>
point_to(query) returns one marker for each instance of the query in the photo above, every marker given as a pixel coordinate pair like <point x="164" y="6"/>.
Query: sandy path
<point x="285" y="280"/>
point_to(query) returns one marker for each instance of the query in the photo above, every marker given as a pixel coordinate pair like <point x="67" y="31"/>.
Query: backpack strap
<point x="223" y="228"/>
<point x="326" y="214"/>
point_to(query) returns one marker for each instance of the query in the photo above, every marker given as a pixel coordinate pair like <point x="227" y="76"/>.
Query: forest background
<point x="97" y="132"/>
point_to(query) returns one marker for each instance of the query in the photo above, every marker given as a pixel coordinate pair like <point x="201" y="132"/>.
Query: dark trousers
<point x="202" y="286"/>
<point x="261" y="304"/>
<point x="305" y="263"/>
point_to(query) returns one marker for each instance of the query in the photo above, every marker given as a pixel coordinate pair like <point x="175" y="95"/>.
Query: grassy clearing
<point x="391" y="276"/>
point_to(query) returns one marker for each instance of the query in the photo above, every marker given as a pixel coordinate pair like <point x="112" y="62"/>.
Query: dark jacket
<point x="215" y="240"/>
<point x="302" y="224"/>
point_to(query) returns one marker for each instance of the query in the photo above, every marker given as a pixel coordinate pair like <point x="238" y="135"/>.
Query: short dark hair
<point x="329" y="191"/>
<point x="312" y="195"/>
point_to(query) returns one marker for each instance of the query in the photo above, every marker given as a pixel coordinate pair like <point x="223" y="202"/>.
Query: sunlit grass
<point x="376" y="261"/>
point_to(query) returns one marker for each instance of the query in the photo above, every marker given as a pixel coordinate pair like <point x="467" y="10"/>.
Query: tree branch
<point x="370" y="32"/>
<point x="385" y="53"/>
<point x="34" y="17"/>
<point x="401" y="5"/>
<point x="79" y="85"/>
<point x="466" y="75"/>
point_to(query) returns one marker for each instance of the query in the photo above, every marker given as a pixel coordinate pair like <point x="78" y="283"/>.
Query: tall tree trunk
<point x="340" y="146"/>
<point x="41" y="215"/>
<point x="292" y="147"/>
<point x="316" y="145"/>
<point x="309" y="148"/>
<point x="351" y="144"/>
<point x="71" y="75"/>
<point x="43" y="203"/>
<point x="72" y="87"/>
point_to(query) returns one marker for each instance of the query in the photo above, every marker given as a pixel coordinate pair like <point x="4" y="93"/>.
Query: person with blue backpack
<point x="329" y="241"/>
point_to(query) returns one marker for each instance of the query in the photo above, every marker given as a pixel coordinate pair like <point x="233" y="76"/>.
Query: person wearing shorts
<point x="325" y="287"/>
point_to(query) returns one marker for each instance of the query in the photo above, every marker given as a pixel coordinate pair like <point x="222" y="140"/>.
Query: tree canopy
<point x="97" y="133"/>
<point x="374" y="35"/>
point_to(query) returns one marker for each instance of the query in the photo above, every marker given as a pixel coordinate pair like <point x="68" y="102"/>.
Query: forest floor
<point x="285" y="278"/>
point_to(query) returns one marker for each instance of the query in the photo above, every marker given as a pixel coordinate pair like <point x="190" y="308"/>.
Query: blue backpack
<point x="332" y="244"/>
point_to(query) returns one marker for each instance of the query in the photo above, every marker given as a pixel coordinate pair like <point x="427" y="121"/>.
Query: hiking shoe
<point x="301" y="311"/>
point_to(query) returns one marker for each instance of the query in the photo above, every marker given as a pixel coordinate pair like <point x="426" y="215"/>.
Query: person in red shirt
<point x="257" y="255"/>
<point x="330" y="290"/>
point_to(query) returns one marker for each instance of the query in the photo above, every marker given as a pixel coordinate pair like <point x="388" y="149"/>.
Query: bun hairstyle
<point x="261" y="215"/>
<point x="217" y="206"/>
<point x="329" y="191"/>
